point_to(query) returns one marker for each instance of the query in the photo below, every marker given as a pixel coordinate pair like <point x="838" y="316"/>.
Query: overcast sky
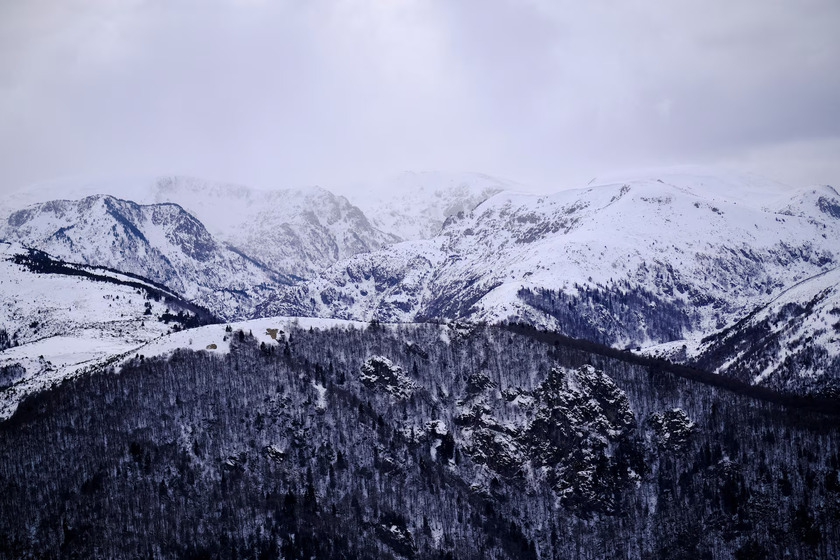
<point x="301" y="92"/>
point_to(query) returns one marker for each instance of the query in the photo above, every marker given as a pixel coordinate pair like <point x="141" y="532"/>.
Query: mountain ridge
<point x="655" y="262"/>
<point x="159" y="241"/>
<point x="583" y="238"/>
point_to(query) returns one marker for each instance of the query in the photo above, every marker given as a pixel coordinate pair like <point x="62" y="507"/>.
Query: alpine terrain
<point x="446" y="366"/>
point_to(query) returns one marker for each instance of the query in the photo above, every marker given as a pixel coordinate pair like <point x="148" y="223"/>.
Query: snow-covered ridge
<point x="711" y="258"/>
<point x="415" y="205"/>
<point x="296" y="231"/>
<point x="293" y="231"/>
<point x="272" y="331"/>
<point x="792" y="343"/>
<point x="713" y="184"/>
<point x="59" y="325"/>
<point x="86" y="326"/>
<point x="159" y="241"/>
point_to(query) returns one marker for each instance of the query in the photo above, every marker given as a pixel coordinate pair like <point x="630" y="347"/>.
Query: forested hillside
<point x="412" y="441"/>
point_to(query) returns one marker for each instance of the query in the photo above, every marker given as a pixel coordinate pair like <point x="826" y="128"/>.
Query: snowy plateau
<point x="648" y="365"/>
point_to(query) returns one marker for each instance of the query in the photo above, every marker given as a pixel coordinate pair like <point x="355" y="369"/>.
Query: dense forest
<point x="412" y="441"/>
<point x="618" y="313"/>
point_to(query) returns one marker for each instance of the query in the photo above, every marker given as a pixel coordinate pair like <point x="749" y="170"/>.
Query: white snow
<point x="720" y="235"/>
<point x="162" y="243"/>
<point x="415" y="205"/>
<point x="322" y="396"/>
<point x="72" y="322"/>
<point x="294" y="231"/>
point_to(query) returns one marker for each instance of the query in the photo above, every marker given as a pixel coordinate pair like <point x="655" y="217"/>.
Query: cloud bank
<point x="288" y="93"/>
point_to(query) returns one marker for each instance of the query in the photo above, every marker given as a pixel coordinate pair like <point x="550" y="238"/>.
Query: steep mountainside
<point x="415" y="205"/>
<point x="161" y="242"/>
<point x="629" y="263"/>
<point x="414" y="441"/>
<point x="292" y="231"/>
<point x="792" y="343"/>
<point x="295" y="231"/>
<point x="58" y="319"/>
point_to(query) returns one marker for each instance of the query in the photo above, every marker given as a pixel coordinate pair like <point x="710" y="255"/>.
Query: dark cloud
<point x="543" y="91"/>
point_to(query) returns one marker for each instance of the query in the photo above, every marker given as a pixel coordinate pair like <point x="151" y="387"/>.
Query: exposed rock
<point x="380" y="373"/>
<point x="672" y="429"/>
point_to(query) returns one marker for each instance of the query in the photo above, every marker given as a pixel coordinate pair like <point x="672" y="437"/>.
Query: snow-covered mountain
<point x="792" y="343"/>
<point x="648" y="260"/>
<point x="296" y="231"/>
<point x="57" y="319"/>
<point x="159" y="241"/>
<point x="665" y="258"/>
<point x="292" y="231"/>
<point x="415" y="205"/>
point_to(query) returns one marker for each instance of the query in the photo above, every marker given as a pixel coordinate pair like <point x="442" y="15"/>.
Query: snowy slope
<point x="159" y="241"/>
<point x="60" y="324"/>
<point x="714" y="184"/>
<point x="415" y="205"/>
<point x="791" y="343"/>
<point x="678" y="255"/>
<point x="216" y="338"/>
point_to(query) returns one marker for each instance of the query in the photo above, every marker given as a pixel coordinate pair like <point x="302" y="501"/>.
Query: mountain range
<point x="661" y="261"/>
<point x="438" y="366"/>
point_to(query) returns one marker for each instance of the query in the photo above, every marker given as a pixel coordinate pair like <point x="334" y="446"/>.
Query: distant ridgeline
<point x="414" y="441"/>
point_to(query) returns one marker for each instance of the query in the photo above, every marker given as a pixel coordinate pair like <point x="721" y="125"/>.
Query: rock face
<point x="672" y="429"/>
<point x="574" y="431"/>
<point x="380" y="374"/>
<point x="161" y="242"/>
<point x="582" y="438"/>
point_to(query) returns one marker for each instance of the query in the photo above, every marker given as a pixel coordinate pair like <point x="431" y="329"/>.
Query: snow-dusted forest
<point x="424" y="441"/>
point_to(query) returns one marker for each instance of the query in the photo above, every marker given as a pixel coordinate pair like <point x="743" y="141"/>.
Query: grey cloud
<point x="288" y="93"/>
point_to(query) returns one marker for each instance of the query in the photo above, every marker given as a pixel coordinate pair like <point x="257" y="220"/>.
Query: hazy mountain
<point x="291" y="231"/>
<point x="415" y="205"/>
<point x="161" y="242"/>
<point x="295" y="231"/>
